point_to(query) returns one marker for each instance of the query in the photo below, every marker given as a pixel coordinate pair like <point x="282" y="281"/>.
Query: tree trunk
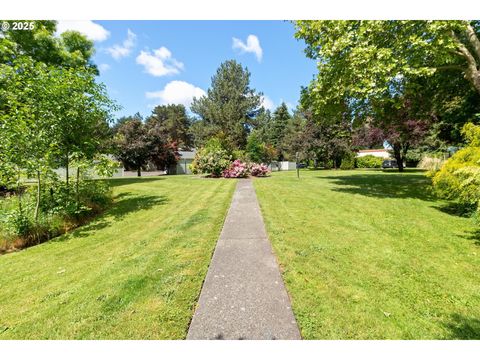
<point x="472" y="73"/>
<point x="476" y="80"/>
<point x="39" y="188"/>
<point x="397" y="154"/>
<point x="66" y="171"/>
<point x="473" y="39"/>
<point x="19" y="193"/>
<point x="139" y="171"/>
<point x="77" y="187"/>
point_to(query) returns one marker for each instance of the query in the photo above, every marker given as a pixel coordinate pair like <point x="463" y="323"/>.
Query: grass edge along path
<point x="134" y="273"/>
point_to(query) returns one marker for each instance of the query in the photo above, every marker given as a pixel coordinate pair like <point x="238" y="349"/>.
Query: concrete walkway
<point x="243" y="296"/>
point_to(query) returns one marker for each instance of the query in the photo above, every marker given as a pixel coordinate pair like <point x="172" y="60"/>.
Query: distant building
<point x="282" y="165"/>
<point x="182" y="166"/>
<point x="381" y="153"/>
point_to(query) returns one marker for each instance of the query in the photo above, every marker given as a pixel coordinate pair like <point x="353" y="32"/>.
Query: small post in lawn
<point x="296" y="165"/>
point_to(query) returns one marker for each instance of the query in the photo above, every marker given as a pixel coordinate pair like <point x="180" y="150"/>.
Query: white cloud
<point x="104" y="67"/>
<point x="91" y="30"/>
<point x="267" y="103"/>
<point x="160" y="62"/>
<point x="122" y="50"/>
<point x="252" y="46"/>
<point x="176" y="92"/>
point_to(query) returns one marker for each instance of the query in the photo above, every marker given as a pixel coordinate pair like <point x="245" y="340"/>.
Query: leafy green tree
<point x="361" y="59"/>
<point x="81" y="116"/>
<point x="451" y="102"/>
<point x="258" y="151"/>
<point x="70" y="49"/>
<point x="263" y="125"/>
<point x="138" y="144"/>
<point x="293" y="141"/>
<point x="230" y="105"/>
<point x="172" y="123"/>
<point x="324" y="141"/>
<point x="48" y="116"/>
<point x="77" y="106"/>
<point x="133" y="145"/>
<point x="26" y="146"/>
<point x="164" y="152"/>
<point x="200" y="133"/>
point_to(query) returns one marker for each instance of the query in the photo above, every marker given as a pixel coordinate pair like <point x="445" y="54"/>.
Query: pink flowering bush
<point x="237" y="169"/>
<point x="259" y="170"/>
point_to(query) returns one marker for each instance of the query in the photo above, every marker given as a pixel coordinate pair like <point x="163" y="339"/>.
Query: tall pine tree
<point x="281" y="118"/>
<point x="230" y="106"/>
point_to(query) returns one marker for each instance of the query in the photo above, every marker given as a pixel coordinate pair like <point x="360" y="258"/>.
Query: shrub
<point x="16" y="222"/>
<point x="255" y="148"/>
<point x="240" y="155"/>
<point x="348" y="161"/>
<point x="450" y="179"/>
<point x="259" y="170"/>
<point x="369" y="162"/>
<point x="459" y="177"/>
<point x="237" y="169"/>
<point x="62" y="208"/>
<point x="70" y="202"/>
<point x="212" y="159"/>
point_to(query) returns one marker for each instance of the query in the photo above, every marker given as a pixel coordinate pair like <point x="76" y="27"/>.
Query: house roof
<point x="372" y="150"/>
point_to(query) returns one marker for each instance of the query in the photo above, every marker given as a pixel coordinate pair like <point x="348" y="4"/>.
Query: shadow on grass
<point x="463" y="328"/>
<point x="124" y="205"/>
<point x="455" y="209"/>
<point x="384" y="185"/>
<point x="134" y="180"/>
<point x="473" y="236"/>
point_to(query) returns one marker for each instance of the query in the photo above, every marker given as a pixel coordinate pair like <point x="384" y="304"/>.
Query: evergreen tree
<point x="172" y="123"/>
<point x="230" y="106"/>
<point x="281" y="117"/>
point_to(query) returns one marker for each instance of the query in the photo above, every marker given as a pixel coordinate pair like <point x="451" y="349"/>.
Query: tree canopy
<point x="230" y="106"/>
<point x="362" y="59"/>
<point x="173" y="124"/>
<point x="70" y="49"/>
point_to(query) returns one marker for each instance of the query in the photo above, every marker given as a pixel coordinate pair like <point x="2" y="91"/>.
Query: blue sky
<point x="145" y="63"/>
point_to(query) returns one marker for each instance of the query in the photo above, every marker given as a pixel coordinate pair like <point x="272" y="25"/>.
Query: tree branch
<point x="463" y="51"/>
<point x="473" y="38"/>
<point x="472" y="73"/>
<point x="450" y="67"/>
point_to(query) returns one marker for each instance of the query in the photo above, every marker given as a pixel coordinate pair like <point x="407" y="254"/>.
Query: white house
<point x="381" y="153"/>
<point x="282" y="165"/>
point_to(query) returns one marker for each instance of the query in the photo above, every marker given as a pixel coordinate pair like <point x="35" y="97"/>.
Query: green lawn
<point x="372" y="255"/>
<point x="134" y="273"/>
